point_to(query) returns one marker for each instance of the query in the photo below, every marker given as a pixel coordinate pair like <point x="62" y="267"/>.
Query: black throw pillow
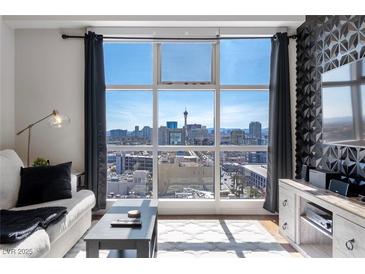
<point x="44" y="184"/>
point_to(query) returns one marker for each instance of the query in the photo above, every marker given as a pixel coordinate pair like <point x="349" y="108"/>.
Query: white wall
<point x="49" y="74"/>
<point x="7" y="131"/>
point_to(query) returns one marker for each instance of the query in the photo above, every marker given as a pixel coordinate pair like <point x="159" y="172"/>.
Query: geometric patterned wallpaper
<point x="325" y="43"/>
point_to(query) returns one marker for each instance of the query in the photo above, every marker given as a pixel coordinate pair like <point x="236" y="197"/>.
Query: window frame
<point x="198" y="206"/>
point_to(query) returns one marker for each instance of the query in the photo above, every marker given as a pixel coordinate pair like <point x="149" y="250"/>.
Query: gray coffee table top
<point x="103" y="231"/>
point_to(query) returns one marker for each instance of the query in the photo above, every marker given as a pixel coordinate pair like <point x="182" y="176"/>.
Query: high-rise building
<point x="147" y="132"/>
<point x="163" y="135"/>
<point x="255" y="130"/>
<point x="136" y="131"/>
<point x="237" y="136"/>
<point x="171" y="124"/>
<point x="199" y="136"/>
<point x="119" y="164"/>
<point x="256" y="176"/>
<point x="111" y="158"/>
<point x="137" y="162"/>
<point x="176" y="136"/>
<point x="259" y="157"/>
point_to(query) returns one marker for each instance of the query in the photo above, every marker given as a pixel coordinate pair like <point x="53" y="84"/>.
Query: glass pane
<point x="186" y="175"/>
<point x="129" y="174"/>
<point x="243" y="175"/>
<point x="342" y="73"/>
<point x="128" y="63"/>
<point x="244" y="117"/>
<point x="186" y="118"/>
<point x="245" y="62"/>
<point x="129" y="117"/>
<point x="337" y="125"/>
<point x="186" y="62"/>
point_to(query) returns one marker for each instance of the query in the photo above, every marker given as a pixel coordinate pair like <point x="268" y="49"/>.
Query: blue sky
<point x="242" y="62"/>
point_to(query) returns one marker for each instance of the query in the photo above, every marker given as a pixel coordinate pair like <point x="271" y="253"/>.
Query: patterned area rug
<point x="201" y="238"/>
<point x="216" y="238"/>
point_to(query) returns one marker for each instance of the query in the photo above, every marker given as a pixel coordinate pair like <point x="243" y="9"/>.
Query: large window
<point x="187" y="120"/>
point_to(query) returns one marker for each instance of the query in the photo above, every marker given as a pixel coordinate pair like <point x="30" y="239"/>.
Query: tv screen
<point x="343" y="104"/>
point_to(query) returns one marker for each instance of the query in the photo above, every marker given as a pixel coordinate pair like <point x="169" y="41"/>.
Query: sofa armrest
<point x="73" y="183"/>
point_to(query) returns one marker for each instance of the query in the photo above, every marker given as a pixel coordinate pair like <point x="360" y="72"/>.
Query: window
<point x="128" y="63"/>
<point x="186" y="62"/>
<point x="186" y="174"/>
<point x="245" y="62"/>
<point x="181" y="128"/>
<point x="243" y="175"/>
<point x="193" y="114"/>
<point x="129" y="117"/>
<point x="130" y="174"/>
<point x="244" y="117"/>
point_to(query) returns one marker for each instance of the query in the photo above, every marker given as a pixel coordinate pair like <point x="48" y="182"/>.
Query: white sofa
<point x="59" y="237"/>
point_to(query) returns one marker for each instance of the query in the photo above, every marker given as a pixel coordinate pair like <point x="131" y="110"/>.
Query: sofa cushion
<point x="44" y="183"/>
<point x="79" y="204"/>
<point x="36" y="245"/>
<point x="10" y="165"/>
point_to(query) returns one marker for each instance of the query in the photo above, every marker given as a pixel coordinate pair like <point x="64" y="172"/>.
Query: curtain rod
<point x="65" y="36"/>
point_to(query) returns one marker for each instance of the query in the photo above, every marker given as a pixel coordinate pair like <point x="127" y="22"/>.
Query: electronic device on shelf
<point x="305" y="172"/>
<point x="322" y="178"/>
<point x="319" y="216"/>
<point x="343" y="188"/>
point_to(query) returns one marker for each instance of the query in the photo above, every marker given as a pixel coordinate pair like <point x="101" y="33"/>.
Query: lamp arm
<point x="40" y="120"/>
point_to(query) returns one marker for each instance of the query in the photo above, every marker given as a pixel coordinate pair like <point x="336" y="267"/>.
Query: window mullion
<point x="156" y="66"/>
<point x="216" y="79"/>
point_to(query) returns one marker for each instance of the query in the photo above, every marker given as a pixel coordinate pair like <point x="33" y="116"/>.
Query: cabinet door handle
<point x="285" y="202"/>
<point x="284" y="226"/>
<point x="350" y="244"/>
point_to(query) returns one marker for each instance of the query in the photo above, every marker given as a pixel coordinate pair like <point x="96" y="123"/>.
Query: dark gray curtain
<point x="95" y="119"/>
<point x="280" y="144"/>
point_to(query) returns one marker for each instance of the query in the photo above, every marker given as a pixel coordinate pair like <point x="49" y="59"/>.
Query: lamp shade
<point x="58" y="120"/>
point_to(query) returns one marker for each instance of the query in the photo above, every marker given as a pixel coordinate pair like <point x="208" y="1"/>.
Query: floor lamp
<point x="55" y="119"/>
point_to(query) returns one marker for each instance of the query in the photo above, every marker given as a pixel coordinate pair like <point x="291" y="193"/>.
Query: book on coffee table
<point x="127" y="222"/>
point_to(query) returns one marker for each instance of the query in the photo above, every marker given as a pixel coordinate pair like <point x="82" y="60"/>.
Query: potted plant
<point x="40" y="162"/>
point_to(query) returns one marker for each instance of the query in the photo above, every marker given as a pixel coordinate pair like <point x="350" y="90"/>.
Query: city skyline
<point x="131" y="63"/>
<point x="126" y="109"/>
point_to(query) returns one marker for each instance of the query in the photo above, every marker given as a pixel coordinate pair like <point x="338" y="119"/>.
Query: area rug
<point x="205" y="238"/>
<point x="216" y="238"/>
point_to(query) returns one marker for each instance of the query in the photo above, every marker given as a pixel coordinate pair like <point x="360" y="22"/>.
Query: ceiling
<point x="83" y="21"/>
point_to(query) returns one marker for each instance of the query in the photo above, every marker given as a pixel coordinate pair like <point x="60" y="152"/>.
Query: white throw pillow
<point x="10" y="164"/>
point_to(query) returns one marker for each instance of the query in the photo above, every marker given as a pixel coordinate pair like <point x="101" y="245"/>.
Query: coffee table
<point x="143" y="239"/>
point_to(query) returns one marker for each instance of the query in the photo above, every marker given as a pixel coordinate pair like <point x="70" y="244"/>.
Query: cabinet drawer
<point x="286" y="200"/>
<point x="348" y="239"/>
<point x="287" y="213"/>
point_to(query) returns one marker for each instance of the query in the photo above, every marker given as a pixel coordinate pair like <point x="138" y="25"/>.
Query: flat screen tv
<point x="343" y="105"/>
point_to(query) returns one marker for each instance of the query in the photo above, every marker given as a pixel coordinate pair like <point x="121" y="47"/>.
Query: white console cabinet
<point x="347" y="239"/>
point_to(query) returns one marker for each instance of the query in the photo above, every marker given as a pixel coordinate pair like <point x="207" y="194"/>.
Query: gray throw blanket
<point x="16" y="225"/>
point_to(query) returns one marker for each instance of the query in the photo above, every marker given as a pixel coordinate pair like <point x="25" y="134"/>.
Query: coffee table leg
<point x="143" y="249"/>
<point x="92" y="249"/>
<point x="156" y="232"/>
